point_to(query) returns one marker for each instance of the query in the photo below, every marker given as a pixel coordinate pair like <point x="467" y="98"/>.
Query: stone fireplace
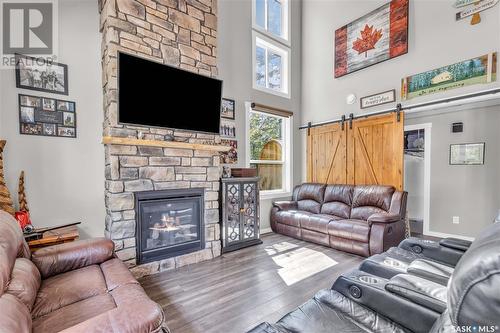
<point x="178" y="33"/>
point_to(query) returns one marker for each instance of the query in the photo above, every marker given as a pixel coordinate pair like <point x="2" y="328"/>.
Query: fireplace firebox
<point x="169" y="223"/>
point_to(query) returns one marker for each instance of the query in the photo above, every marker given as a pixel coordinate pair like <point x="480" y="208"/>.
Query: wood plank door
<point x="326" y="154"/>
<point x="375" y="151"/>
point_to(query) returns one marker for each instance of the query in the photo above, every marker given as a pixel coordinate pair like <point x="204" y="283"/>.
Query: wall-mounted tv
<point x="157" y="95"/>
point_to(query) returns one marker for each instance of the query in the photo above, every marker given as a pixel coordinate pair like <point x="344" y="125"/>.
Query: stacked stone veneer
<point x="179" y="33"/>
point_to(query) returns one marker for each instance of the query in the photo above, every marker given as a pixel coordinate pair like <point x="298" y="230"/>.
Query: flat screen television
<point x="157" y="95"/>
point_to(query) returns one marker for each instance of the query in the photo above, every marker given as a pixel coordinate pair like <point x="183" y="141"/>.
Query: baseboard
<point x="445" y="235"/>
<point x="266" y="231"/>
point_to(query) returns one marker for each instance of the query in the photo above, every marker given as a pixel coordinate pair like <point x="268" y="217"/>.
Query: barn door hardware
<point x="342" y="121"/>
<point x="351" y="118"/>
<point x="309" y="125"/>
<point x="398" y="112"/>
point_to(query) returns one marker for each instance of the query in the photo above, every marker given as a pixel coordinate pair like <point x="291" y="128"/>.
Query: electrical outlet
<point x="456" y="219"/>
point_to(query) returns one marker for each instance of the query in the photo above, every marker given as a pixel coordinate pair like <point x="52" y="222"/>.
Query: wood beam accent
<point x="109" y="140"/>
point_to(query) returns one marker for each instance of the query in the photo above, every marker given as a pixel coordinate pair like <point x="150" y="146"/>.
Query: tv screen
<point x="153" y="94"/>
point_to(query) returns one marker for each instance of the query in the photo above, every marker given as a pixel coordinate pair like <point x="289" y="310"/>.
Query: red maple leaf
<point x="368" y="39"/>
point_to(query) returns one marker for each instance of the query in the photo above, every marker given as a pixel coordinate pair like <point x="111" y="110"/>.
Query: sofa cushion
<point x="338" y="200"/>
<point x="68" y="288"/>
<point x="370" y="199"/>
<point x="14" y="315"/>
<point x="310" y="197"/>
<point x="317" y="222"/>
<point x="25" y="282"/>
<point x="350" y="229"/>
<point x="292" y="217"/>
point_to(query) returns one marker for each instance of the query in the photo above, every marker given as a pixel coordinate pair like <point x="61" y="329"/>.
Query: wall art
<point x="47" y="116"/>
<point x="465" y="73"/>
<point x="230" y="156"/>
<point x="378" y="36"/>
<point x="228" y="108"/>
<point x="467" y="154"/>
<point x="478" y="6"/>
<point x="42" y="75"/>
<point x="378" y="99"/>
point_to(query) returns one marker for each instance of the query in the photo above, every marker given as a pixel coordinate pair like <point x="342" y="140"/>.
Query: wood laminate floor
<point x="239" y="290"/>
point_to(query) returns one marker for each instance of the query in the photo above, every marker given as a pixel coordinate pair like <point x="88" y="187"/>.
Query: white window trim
<point x="286" y="191"/>
<point x="286" y="13"/>
<point x="284" y="52"/>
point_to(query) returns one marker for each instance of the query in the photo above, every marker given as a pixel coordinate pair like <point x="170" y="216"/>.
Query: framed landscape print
<point x="467" y="154"/>
<point x="39" y="74"/>
<point x="378" y="36"/>
<point x="477" y="70"/>
<point x="228" y="106"/>
<point x="47" y="116"/>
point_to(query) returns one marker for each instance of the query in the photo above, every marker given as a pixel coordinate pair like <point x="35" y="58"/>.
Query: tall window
<point x="271" y="46"/>
<point x="268" y="143"/>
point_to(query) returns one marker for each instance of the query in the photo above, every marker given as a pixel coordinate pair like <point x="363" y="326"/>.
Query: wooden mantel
<point x="110" y="140"/>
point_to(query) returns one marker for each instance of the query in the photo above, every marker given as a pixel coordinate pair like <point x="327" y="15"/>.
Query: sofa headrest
<point x="473" y="297"/>
<point x="379" y="196"/>
<point x="311" y="191"/>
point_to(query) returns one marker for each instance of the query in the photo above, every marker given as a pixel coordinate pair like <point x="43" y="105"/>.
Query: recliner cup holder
<point x="394" y="263"/>
<point x="368" y="279"/>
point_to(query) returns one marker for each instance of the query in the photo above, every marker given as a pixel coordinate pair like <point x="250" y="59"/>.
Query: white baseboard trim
<point x="266" y="231"/>
<point x="445" y="235"/>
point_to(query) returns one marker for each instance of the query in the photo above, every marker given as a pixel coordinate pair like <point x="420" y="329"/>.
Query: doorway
<point x="417" y="175"/>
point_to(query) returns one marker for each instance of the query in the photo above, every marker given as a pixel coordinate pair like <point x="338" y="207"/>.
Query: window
<point x="271" y="16"/>
<point x="268" y="150"/>
<point x="271" y="47"/>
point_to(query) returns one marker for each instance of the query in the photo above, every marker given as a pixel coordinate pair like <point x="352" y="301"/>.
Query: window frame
<point x="285" y="24"/>
<point x="287" y="158"/>
<point x="263" y="41"/>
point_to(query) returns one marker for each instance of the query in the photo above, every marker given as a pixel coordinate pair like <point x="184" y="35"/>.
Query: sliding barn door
<point x="375" y="151"/>
<point x="326" y="154"/>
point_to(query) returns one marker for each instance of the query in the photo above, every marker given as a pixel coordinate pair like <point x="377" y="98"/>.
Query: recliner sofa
<point x="363" y="220"/>
<point x="72" y="287"/>
<point x="361" y="302"/>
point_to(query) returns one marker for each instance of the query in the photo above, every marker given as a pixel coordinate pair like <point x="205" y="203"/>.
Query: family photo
<point x="39" y="74"/>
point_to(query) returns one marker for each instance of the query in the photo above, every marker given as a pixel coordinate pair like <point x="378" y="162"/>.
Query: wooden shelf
<point x="109" y="140"/>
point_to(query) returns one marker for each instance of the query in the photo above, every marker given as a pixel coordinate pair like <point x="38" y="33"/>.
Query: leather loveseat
<point x="72" y="287"/>
<point x="361" y="302"/>
<point x="363" y="220"/>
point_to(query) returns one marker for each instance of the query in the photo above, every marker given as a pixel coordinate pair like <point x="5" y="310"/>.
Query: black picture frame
<point x="40" y="62"/>
<point x="232" y="103"/>
<point x="42" y="121"/>
<point x="481" y="162"/>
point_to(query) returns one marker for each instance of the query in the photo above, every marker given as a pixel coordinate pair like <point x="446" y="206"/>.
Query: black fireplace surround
<point x="169" y="223"/>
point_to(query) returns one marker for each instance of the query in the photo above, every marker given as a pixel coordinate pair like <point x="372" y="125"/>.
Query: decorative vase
<point x="5" y="199"/>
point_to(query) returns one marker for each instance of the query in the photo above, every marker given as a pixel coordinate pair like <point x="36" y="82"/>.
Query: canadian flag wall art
<point x="378" y="36"/>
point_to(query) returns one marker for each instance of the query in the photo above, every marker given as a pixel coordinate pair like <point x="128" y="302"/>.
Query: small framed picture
<point x="49" y="129"/>
<point x="41" y="74"/>
<point x="33" y="101"/>
<point x="27" y="114"/>
<point x="66" y="106"/>
<point x="31" y="129"/>
<point x="230" y="156"/>
<point x="227" y="129"/>
<point x="228" y="108"/>
<point x="467" y="154"/>
<point x="66" y="131"/>
<point x="69" y="119"/>
<point x="49" y="104"/>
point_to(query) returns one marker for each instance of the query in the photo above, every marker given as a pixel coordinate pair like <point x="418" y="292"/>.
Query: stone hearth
<point x="178" y="33"/>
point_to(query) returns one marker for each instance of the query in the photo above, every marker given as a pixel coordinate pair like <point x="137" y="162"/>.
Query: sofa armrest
<point x="432" y="250"/>
<point x="57" y="259"/>
<point x="384" y="218"/>
<point x="285" y="205"/>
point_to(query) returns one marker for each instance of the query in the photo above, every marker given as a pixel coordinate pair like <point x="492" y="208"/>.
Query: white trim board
<point x="266" y="231"/>
<point x="445" y="235"/>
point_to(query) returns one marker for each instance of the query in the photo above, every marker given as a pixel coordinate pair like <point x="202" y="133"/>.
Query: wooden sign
<point x="378" y="99"/>
<point x="482" y="5"/>
<point x="463" y="3"/>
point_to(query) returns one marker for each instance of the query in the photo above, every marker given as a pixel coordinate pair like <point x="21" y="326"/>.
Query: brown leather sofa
<point x="363" y="220"/>
<point x="72" y="287"/>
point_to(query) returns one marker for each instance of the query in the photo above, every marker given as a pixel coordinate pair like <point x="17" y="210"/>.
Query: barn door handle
<point x="342" y="122"/>
<point x="309" y="125"/>
<point x="351" y="118"/>
<point x="398" y="112"/>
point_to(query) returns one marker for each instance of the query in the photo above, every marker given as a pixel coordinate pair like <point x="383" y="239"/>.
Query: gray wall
<point x="435" y="39"/>
<point x="235" y="68"/>
<point x="470" y="192"/>
<point x="64" y="177"/>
